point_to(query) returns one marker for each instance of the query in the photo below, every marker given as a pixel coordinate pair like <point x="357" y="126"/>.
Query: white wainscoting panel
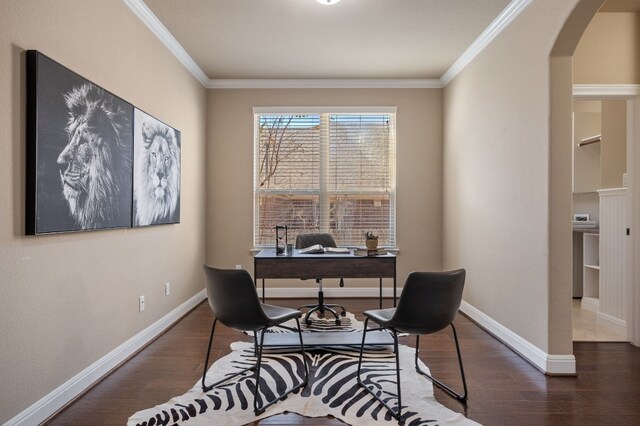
<point x="613" y="303"/>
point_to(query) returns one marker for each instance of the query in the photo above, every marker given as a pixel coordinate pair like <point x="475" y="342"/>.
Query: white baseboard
<point x="311" y="292"/>
<point x="550" y="364"/>
<point x="63" y="394"/>
<point x="591" y="304"/>
<point x="612" y="323"/>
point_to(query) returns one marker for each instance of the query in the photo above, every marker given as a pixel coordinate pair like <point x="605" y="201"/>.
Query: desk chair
<point x="428" y="303"/>
<point x="235" y="303"/>
<point x="326" y="240"/>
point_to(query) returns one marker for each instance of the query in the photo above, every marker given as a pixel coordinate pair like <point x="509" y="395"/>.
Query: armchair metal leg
<point x="206" y="361"/>
<point x="257" y="409"/>
<point x="207" y="388"/>
<point x="255" y="343"/>
<point x="256" y="367"/>
<point x="462" y="398"/>
<point x="397" y="414"/>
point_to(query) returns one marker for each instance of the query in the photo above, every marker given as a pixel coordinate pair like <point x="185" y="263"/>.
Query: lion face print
<point x="157" y="177"/>
<point x="94" y="164"/>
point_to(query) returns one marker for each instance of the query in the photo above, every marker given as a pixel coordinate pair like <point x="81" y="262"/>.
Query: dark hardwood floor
<point x="503" y="388"/>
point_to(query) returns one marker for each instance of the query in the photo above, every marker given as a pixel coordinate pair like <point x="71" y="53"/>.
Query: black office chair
<point x="428" y="303"/>
<point x="326" y="240"/>
<point x="234" y="301"/>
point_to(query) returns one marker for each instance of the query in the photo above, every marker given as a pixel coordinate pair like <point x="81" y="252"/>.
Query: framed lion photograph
<point x="156" y="171"/>
<point x="79" y="152"/>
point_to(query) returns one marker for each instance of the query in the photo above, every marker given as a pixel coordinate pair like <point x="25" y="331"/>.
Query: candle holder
<point x="281" y="246"/>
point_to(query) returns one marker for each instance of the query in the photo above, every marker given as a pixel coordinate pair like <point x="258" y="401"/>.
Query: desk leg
<point x="394" y="291"/>
<point x="380" y="293"/>
<point x="263" y="290"/>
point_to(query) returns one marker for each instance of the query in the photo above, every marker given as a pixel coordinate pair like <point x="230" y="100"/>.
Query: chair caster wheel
<point x="338" y="322"/>
<point x="343" y="313"/>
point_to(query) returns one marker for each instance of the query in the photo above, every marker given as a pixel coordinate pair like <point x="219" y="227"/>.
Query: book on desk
<point x="367" y="252"/>
<point x="319" y="249"/>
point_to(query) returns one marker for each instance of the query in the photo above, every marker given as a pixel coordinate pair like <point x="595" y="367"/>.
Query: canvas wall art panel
<point x="156" y="177"/>
<point x="79" y="152"/>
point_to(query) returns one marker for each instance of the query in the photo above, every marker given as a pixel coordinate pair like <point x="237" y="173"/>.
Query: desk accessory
<point x="281" y="247"/>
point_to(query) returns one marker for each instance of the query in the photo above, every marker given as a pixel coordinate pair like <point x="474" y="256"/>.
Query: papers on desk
<point x="319" y="248"/>
<point x="365" y="252"/>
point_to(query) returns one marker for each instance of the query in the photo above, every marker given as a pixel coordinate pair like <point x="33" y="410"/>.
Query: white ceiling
<point x="355" y="43"/>
<point x="301" y="39"/>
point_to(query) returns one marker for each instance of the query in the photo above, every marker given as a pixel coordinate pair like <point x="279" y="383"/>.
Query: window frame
<point x="324" y="192"/>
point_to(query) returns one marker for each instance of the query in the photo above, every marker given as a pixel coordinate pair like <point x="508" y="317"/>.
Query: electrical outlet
<point x="141" y="303"/>
<point x="167" y="289"/>
<point x="238" y="266"/>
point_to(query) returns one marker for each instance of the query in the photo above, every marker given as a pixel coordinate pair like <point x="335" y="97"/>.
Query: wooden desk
<point x="267" y="264"/>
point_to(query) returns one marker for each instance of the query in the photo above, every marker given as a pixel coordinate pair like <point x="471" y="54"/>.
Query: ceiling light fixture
<point x="327" y="2"/>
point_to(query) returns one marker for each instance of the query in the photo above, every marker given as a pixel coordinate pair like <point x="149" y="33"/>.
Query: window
<point x="325" y="171"/>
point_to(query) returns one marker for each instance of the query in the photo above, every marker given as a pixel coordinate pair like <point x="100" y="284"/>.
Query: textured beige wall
<point x="609" y="51"/>
<point x="419" y="171"/>
<point x="69" y="299"/>
<point x="505" y="186"/>
<point x="613" y="153"/>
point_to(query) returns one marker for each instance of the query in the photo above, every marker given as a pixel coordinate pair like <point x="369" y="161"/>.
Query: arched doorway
<point x="561" y="98"/>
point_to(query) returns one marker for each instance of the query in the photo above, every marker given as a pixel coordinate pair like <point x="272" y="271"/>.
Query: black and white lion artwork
<point x="95" y="164"/>
<point x="157" y="172"/>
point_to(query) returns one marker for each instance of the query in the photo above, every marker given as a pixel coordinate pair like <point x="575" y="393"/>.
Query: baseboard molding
<point x="591" y="304"/>
<point x="548" y="364"/>
<point x="311" y="292"/>
<point x="612" y="323"/>
<point x="63" y="394"/>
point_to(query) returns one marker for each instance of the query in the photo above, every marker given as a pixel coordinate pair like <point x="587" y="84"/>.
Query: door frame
<point x="630" y="92"/>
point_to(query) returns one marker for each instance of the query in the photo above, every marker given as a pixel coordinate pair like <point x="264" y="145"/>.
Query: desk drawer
<point x="306" y="268"/>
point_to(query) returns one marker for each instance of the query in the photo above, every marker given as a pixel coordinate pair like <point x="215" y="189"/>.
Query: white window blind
<point x="325" y="172"/>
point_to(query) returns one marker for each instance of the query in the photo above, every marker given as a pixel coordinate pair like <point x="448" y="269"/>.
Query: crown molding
<point x="506" y="17"/>
<point x="330" y="83"/>
<point x="145" y="14"/>
<point x="586" y="91"/>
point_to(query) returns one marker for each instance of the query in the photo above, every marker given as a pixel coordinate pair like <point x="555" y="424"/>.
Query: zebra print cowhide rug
<point x="332" y="389"/>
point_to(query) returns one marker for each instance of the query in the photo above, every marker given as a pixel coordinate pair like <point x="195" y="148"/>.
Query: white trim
<point x="326" y="110"/>
<point x="633" y="263"/>
<point x="613" y="324"/>
<point x="503" y="20"/>
<point x="312" y="291"/>
<point x="588" y="91"/>
<point x="591" y="304"/>
<point x="632" y="268"/>
<point x="611" y="192"/>
<point x="63" y="394"/>
<point x="551" y="364"/>
<point x="329" y="83"/>
<point x="633" y="126"/>
<point x="506" y="17"/>
<point x="145" y="14"/>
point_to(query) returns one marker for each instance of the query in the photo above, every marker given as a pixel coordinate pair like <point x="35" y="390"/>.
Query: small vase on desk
<point x="372" y="244"/>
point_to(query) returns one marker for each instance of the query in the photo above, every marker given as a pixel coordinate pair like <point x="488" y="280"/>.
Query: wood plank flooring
<point x="503" y="388"/>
